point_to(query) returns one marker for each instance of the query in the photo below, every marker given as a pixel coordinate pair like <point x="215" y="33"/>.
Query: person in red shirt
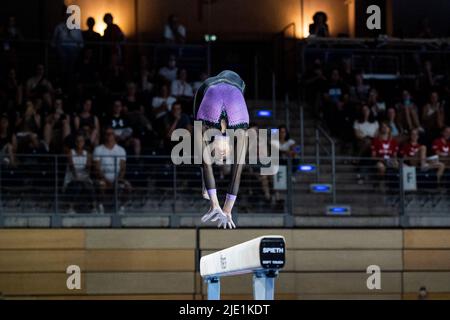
<point x="385" y="149"/>
<point x="415" y="154"/>
<point x="441" y="146"/>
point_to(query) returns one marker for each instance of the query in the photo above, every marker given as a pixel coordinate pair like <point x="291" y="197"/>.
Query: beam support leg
<point x="264" y="285"/>
<point x="213" y="288"/>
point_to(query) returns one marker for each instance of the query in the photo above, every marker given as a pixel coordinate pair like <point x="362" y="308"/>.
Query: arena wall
<point x="161" y="263"/>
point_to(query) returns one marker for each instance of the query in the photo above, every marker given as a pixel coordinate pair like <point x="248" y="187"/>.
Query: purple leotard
<point x="223" y="99"/>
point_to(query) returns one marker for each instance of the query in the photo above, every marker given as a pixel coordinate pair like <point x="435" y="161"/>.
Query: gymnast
<point x="219" y="104"/>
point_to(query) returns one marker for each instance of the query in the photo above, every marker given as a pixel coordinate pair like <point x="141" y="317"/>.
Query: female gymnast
<point x="220" y="105"/>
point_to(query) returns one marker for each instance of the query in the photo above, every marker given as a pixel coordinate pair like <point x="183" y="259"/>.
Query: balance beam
<point x="262" y="256"/>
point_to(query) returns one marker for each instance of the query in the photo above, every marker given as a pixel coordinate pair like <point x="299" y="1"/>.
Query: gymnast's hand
<point x="213" y="211"/>
<point x="225" y="220"/>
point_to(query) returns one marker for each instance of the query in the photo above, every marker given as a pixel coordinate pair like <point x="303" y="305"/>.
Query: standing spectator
<point x="174" y="32"/>
<point x="319" y="27"/>
<point x="113" y="37"/>
<point x="92" y="39"/>
<point x="180" y="88"/>
<point x="433" y="116"/>
<point x="384" y="150"/>
<point x="408" y="112"/>
<point x="415" y="155"/>
<point x="366" y="128"/>
<point x="170" y="71"/>
<point x="68" y="43"/>
<point x="77" y="182"/>
<point x="88" y="123"/>
<point x="110" y="167"/>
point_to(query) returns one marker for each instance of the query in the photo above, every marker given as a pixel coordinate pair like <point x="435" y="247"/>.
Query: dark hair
<point x="361" y="114"/>
<point x="283" y="126"/>
<point x="107" y="16"/>
<point x="90" y="21"/>
<point x="318" y="14"/>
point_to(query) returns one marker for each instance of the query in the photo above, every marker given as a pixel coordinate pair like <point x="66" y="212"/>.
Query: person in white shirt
<point x="162" y="103"/>
<point x="174" y="32"/>
<point x="365" y="130"/>
<point x="181" y="88"/>
<point x="110" y="168"/>
<point x="169" y="72"/>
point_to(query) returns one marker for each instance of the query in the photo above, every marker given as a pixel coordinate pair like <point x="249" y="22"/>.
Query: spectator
<point x="174" y="32"/>
<point x="91" y="37"/>
<point x="415" y="155"/>
<point x="287" y="144"/>
<point x="408" y="113"/>
<point x="88" y="123"/>
<point x="29" y="123"/>
<point x="319" y="27"/>
<point x="77" y="182"/>
<point x="427" y="80"/>
<point x="162" y="103"/>
<point x="13" y="90"/>
<point x="13" y="32"/>
<point x="384" y="150"/>
<point x="180" y="88"/>
<point x="395" y="126"/>
<point x="377" y="107"/>
<point x="110" y="168"/>
<point x="433" y="116"/>
<point x="115" y="75"/>
<point x="335" y="101"/>
<point x="57" y="127"/>
<point x="441" y="146"/>
<point x="38" y="84"/>
<point x="366" y="128"/>
<point x="359" y="92"/>
<point x="8" y="142"/>
<point x="425" y="29"/>
<point x="134" y="110"/>
<point x="68" y="43"/>
<point x="196" y="85"/>
<point x="169" y="72"/>
<point x="113" y="37"/>
<point x="176" y="119"/>
<point x="122" y="131"/>
<point x="145" y="77"/>
<point x="315" y="82"/>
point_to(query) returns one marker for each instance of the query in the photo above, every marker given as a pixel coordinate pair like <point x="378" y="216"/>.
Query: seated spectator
<point x="114" y="76"/>
<point x="174" y="32"/>
<point x="175" y="119"/>
<point x="415" y="155"/>
<point x="29" y="123"/>
<point x="425" y="29"/>
<point x="145" y="77"/>
<point x="394" y="124"/>
<point x="377" y="107"/>
<point x="110" y="168"/>
<point x="319" y="27"/>
<point x="38" y="84"/>
<point x="162" y="103"/>
<point x="88" y="123"/>
<point x="408" y="112"/>
<point x="196" y="85"/>
<point x="427" y="80"/>
<point x="315" y="83"/>
<point x="441" y="146"/>
<point x="433" y="116"/>
<point x="123" y="133"/>
<point x="8" y="143"/>
<point x="57" y="127"/>
<point x="170" y="71"/>
<point x="13" y="90"/>
<point x="287" y="145"/>
<point x="366" y="128"/>
<point x="77" y="182"/>
<point x="180" y="88"/>
<point x="359" y="92"/>
<point x="335" y="98"/>
<point x="135" y="111"/>
<point x="384" y="150"/>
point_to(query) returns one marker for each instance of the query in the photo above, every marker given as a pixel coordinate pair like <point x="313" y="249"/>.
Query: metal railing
<point x="38" y="191"/>
<point x="331" y="153"/>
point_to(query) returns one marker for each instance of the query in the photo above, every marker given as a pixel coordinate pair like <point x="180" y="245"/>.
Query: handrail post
<point x="402" y="219"/>
<point x="317" y="155"/>
<point x="274" y="99"/>
<point x="302" y="134"/>
<point x="333" y="171"/>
